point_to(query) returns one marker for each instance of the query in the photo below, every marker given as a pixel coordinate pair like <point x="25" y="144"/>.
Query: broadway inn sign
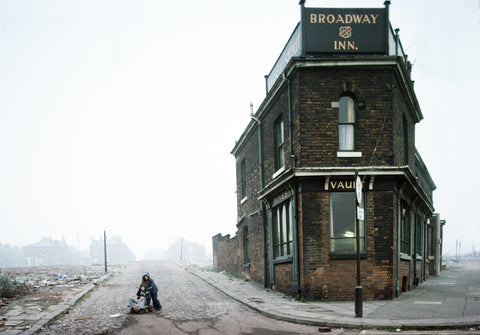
<point x="354" y="30"/>
<point x="333" y="31"/>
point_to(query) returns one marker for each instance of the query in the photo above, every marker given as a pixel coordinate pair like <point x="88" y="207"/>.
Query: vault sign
<point x="345" y="30"/>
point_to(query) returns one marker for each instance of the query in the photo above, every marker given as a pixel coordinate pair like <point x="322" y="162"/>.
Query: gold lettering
<point x="333" y="184"/>
<point x="340" y="185"/>
<point x="366" y="19"/>
<point x="344" y="19"/>
<point x="339" y="45"/>
<point x="357" y="18"/>
<point x="344" y="45"/>
<point x="348" y="184"/>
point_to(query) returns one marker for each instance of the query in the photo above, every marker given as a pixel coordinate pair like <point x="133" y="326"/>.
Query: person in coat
<point x="143" y="299"/>
<point x="153" y="289"/>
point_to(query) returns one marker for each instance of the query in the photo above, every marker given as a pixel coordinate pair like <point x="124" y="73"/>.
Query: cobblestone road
<point x="190" y="306"/>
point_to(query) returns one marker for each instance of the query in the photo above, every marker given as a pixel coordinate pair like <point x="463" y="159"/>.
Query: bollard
<point x="359" y="301"/>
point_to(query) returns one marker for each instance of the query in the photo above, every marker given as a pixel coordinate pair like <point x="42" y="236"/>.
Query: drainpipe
<point x="262" y="205"/>
<point x="399" y="218"/>
<point x="438" y="241"/>
<point x="296" y="270"/>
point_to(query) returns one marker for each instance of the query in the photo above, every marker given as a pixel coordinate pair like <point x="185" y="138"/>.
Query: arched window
<point x="346" y="124"/>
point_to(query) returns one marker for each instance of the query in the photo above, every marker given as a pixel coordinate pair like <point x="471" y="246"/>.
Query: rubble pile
<point x="54" y="275"/>
<point x="50" y="286"/>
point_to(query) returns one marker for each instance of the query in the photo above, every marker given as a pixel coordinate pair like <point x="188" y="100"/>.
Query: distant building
<point x="49" y="252"/>
<point x="186" y="250"/>
<point x="117" y="251"/>
<point x="340" y="102"/>
<point x="11" y="256"/>
<point x="155" y="254"/>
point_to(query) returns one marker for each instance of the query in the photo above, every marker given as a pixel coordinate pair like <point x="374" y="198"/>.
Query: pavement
<point x="449" y="301"/>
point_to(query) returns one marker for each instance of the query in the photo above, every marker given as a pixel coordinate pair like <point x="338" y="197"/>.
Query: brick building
<point x="335" y="108"/>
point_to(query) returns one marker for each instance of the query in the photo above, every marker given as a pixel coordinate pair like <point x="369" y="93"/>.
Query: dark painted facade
<point x="326" y="118"/>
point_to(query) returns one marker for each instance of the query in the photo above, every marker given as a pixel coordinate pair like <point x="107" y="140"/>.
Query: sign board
<point x="293" y="48"/>
<point x="345" y="30"/>
<point x="360" y="213"/>
<point x="358" y="189"/>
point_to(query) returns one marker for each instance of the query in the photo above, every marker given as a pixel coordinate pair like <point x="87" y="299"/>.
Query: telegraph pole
<point x="105" y="248"/>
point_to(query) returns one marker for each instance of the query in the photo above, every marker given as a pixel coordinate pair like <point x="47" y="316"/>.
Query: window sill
<point x="354" y="154"/>
<point x="405" y="257"/>
<point x="279" y="172"/>
<point x="363" y="255"/>
<point x="280" y="260"/>
<point x="243" y="200"/>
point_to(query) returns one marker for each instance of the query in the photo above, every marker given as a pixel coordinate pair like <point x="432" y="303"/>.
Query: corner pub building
<point x="340" y="101"/>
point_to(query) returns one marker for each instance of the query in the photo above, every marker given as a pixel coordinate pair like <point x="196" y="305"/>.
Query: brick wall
<point x="283" y="277"/>
<point x="338" y="276"/>
<point x="379" y="132"/>
<point x="318" y="120"/>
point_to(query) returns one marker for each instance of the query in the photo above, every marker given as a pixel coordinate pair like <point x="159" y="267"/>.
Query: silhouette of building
<point x="117" y="251"/>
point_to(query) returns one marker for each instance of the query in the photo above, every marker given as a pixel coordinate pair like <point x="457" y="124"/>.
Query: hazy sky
<point x="120" y="115"/>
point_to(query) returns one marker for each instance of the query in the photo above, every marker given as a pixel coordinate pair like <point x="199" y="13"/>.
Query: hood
<point x="146" y="274"/>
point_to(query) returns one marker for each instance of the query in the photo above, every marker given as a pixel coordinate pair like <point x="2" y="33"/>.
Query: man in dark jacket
<point x="153" y="289"/>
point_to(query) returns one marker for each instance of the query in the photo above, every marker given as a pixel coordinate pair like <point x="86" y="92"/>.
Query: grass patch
<point x="11" y="288"/>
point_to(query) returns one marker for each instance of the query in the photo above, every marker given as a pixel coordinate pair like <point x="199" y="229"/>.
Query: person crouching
<point x="143" y="299"/>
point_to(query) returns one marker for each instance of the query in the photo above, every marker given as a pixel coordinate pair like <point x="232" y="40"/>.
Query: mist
<point x="118" y="117"/>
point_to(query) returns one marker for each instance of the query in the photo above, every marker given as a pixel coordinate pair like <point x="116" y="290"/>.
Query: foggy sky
<point x="120" y="116"/>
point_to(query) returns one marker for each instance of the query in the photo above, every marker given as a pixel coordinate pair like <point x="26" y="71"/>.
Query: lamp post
<point x="358" y="213"/>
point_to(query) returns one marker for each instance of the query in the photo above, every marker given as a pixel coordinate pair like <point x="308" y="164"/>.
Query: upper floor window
<point x="346" y="124"/>
<point x="279" y="144"/>
<point x="405" y="140"/>
<point x="243" y="176"/>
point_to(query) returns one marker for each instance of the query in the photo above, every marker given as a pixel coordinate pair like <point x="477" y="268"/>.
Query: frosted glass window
<point x="346" y="124"/>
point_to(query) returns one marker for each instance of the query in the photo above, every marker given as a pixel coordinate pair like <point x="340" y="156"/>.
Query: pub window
<point x="243" y="173"/>
<point x="405" y="229"/>
<point x="246" y="252"/>
<point x="279" y="144"/>
<point x="343" y="225"/>
<point x="346" y="124"/>
<point x="282" y="230"/>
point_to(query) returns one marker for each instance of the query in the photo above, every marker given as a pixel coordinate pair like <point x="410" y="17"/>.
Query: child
<point x="143" y="299"/>
<point x="152" y="288"/>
